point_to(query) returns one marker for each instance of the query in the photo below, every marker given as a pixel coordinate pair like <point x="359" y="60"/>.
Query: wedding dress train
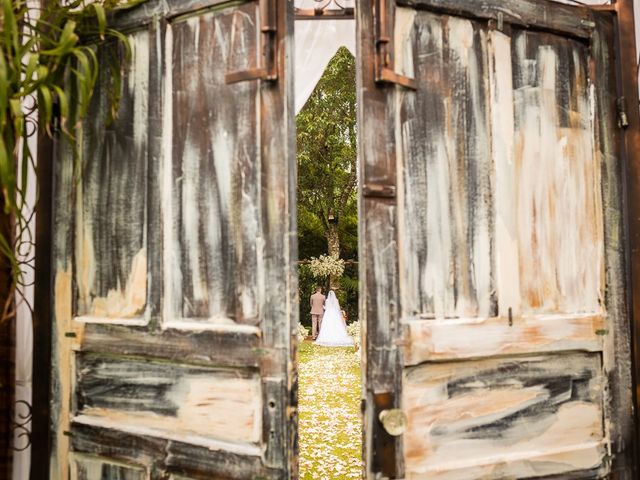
<point x="333" y="331"/>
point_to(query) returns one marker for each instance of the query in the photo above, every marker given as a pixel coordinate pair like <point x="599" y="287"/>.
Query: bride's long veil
<point x="333" y="331"/>
<point x="332" y="303"/>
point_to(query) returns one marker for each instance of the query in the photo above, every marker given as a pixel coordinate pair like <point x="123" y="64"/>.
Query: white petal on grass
<point x="329" y="413"/>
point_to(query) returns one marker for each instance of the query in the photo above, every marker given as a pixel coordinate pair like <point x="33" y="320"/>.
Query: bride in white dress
<point x="333" y="330"/>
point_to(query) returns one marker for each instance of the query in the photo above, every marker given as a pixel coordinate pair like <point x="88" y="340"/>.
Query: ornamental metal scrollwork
<point x="325" y="10"/>
<point x="22" y="425"/>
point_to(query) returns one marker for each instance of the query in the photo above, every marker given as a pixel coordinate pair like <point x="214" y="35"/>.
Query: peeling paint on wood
<point x="170" y="397"/>
<point x="214" y="217"/>
<point x="111" y="267"/>
<point x="86" y="467"/>
<point x="172" y="354"/>
<point x="507" y="203"/>
<point x="504" y="418"/>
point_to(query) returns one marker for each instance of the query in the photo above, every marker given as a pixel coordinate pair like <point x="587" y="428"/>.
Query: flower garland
<point x="326" y="266"/>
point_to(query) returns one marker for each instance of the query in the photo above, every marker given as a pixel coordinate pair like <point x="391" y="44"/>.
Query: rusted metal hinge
<point x="268" y="58"/>
<point x="621" y="107"/>
<point x="384" y="66"/>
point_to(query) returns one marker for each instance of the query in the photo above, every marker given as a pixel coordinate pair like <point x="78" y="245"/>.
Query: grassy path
<point x="329" y="413"/>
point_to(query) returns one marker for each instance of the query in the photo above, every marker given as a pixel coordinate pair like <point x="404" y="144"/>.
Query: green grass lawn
<point x="329" y="413"/>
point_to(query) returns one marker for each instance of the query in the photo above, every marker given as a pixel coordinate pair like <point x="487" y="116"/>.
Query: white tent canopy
<point x="316" y="42"/>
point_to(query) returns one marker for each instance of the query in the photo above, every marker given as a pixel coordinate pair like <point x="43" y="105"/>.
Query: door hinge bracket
<point x="621" y="108"/>
<point x="268" y="57"/>
<point x="383" y="63"/>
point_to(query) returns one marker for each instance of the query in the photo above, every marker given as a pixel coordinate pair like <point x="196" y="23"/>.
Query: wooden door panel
<point x="504" y="418"/>
<point x="525" y="259"/>
<point x="557" y="197"/>
<point x="169" y="356"/>
<point x="501" y="209"/>
<point x="213" y="231"/>
<point x="111" y="236"/>
<point x="175" y="399"/>
<point x="446" y="224"/>
<point x="86" y="467"/>
<point x="504" y="340"/>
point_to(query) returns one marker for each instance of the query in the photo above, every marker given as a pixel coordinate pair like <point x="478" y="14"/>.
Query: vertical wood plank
<point x="378" y="251"/>
<point x="111" y="235"/>
<point x="278" y="251"/>
<point x="502" y="118"/>
<point x="447" y="217"/>
<point x="612" y="154"/>
<point x="155" y="227"/>
<point x="62" y="300"/>
<point x="216" y="165"/>
<point x="558" y="183"/>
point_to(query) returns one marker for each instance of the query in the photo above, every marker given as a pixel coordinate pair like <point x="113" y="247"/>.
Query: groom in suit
<point x="317" y="310"/>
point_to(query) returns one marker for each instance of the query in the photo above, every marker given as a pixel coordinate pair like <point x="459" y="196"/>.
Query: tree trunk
<point x="333" y="243"/>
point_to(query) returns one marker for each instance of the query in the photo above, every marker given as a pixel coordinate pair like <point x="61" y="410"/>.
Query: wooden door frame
<point x="627" y="90"/>
<point x="42" y="315"/>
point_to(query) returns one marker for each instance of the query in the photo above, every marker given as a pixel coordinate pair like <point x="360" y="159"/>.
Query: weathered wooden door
<point x="497" y="339"/>
<point x="174" y="243"/>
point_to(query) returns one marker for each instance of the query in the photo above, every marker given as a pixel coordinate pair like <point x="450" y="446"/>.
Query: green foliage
<point x="306" y="287"/>
<point x="326" y="140"/>
<point x="348" y="293"/>
<point x="327" y="178"/>
<point x="42" y="54"/>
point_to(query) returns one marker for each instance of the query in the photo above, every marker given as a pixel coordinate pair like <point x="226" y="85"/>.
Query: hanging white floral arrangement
<point x="326" y="266"/>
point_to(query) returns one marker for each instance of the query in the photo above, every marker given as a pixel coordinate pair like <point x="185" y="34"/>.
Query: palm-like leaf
<point x="42" y="53"/>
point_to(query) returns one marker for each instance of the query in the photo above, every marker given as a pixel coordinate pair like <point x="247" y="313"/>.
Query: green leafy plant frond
<point x="45" y="53"/>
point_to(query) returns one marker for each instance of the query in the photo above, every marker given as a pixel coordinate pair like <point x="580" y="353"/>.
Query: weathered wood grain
<point x="222" y="347"/>
<point x="446" y="214"/>
<point x="558" y="198"/>
<point x="169" y="397"/>
<point x="192" y="377"/>
<point x="111" y="237"/>
<point x="451" y="339"/>
<point x="540" y="14"/>
<point x="213" y="222"/>
<point x="85" y="467"/>
<point x="617" y="355"/>
<point x="510" y="418"/>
